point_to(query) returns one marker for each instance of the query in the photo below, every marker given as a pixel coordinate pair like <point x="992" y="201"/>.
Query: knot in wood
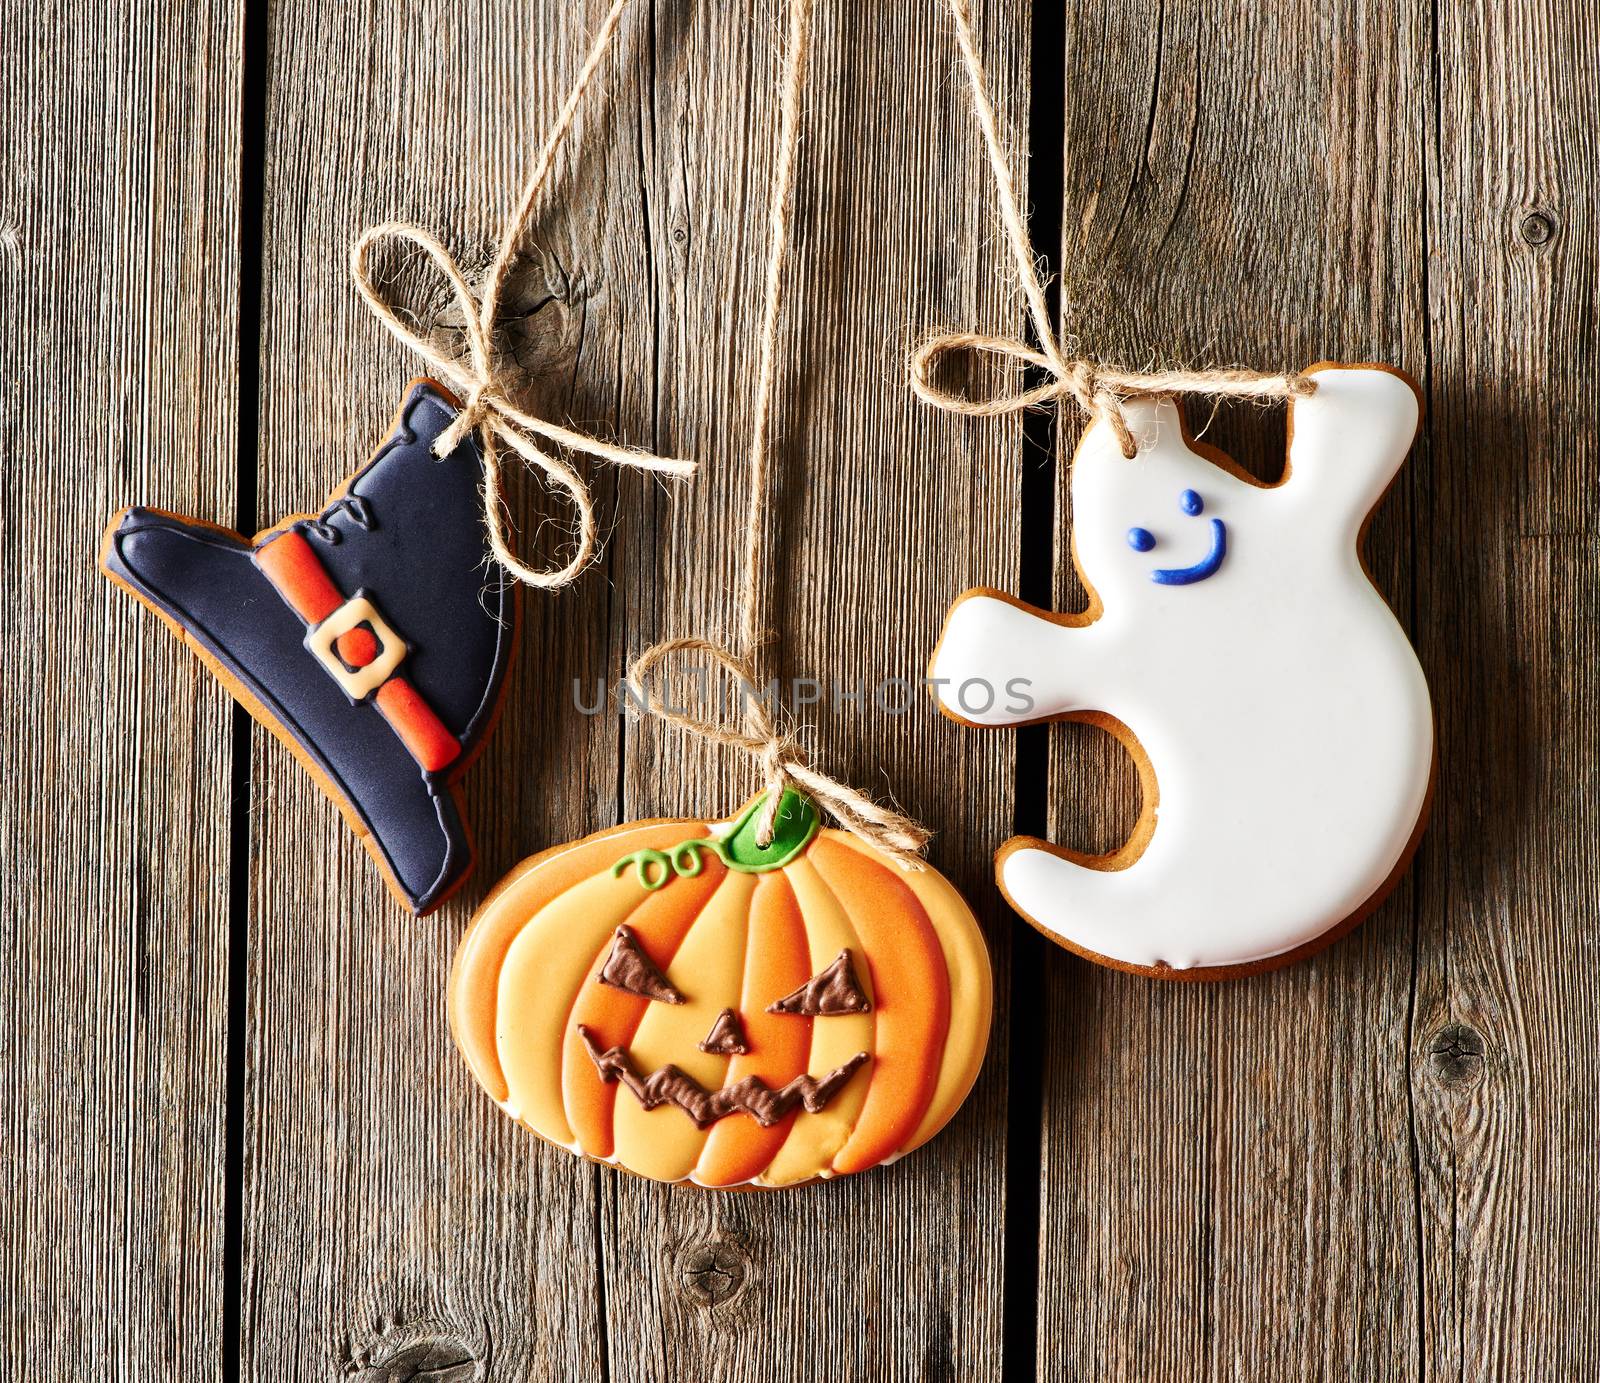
<point x="1455" y="1055"/>
<point x="1538" y="228"/>
<point x="713" y="1272"/>
<point x="434" y="1359"/>
<point x="438" y="1359"/>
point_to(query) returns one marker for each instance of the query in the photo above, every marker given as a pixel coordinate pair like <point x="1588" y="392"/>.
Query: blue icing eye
<point x="1141" y="539"/>
<point x="1191" y="503"/>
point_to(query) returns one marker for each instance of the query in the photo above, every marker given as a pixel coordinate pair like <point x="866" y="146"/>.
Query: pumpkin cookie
<point x="678" y="1000"/>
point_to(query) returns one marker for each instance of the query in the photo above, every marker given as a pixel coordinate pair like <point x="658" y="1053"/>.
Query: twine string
<point x="1099" y="391"/>
<point x="486" y="405"/>
<point x="753" y="629"/>
<point x="781" y="759"/>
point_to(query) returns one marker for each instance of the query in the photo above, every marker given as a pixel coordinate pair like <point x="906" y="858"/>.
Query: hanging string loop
<point x="1099" y="391"/>
<point x="487" y="409"/>
<point x="782" y="761"/>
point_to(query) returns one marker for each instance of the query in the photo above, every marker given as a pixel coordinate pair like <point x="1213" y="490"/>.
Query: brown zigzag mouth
<point x="752" y="1095"/>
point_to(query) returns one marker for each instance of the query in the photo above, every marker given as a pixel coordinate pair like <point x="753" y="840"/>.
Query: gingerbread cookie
<point x="672" y="998"/>
<point x="372" y="638"/>
<point x="1279" y="717"/>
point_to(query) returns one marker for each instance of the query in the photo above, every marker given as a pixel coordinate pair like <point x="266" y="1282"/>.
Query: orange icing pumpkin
<point x="672" y="997"/>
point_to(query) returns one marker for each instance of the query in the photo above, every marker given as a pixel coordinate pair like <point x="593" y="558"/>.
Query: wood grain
<point x="1229" y="1176"/>
<point x="387" y="1201"/>
<point x="883" y="511"/>
<point x="1379" y="1164"/>
<point x="118" y="265"/>
<point x="391" y="1212"/>
<point x="1366" y="1166"/>
<point x="1502" y="1036"/>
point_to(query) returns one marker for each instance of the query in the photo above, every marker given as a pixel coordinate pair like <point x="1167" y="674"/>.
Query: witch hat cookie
<point x="372" y="638"/>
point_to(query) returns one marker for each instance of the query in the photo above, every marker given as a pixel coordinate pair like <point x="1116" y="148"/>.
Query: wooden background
<point x="236" y="1137"/>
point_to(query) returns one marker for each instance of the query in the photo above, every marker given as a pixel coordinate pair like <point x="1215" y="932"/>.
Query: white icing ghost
<point x="1282" y="711"/>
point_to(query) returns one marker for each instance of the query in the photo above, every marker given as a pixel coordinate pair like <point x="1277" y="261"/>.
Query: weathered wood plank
<point x="642" y="329"/>
<point x="118" y="265"/>
<point x="1228" y="1169"/>
<point x="886" y="510"/>
<point x="1503" y="1033"/>
<point x="1378" y="1164"/>
<point x="392" y="1212"/>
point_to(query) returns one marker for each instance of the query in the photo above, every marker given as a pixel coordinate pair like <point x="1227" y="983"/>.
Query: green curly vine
<point x="797" y="822"/>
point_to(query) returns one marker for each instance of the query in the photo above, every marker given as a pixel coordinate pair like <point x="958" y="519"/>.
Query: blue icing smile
<point x="1206" y="566"/>
<point x="1142" y="540"/>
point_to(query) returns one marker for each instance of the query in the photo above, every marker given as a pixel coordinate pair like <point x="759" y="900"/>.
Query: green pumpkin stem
<point x="797" y="822"/>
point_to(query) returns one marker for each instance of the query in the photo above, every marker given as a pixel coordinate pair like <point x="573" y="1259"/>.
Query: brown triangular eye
<point x="829" y="992"/>
<point x="726" y="1037"/>
<point x="629" y="968"/>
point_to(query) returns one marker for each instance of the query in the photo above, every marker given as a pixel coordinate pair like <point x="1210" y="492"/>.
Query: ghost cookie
<point x="675" y="999"/>
<point x="1278" y="717"/>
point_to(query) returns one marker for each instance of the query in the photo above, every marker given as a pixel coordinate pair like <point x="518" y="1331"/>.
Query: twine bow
<point x="486" y="405"/>
<point x="1099" y="390"/>
<point x="782" y="760"/>
<point x="487" y="410"/>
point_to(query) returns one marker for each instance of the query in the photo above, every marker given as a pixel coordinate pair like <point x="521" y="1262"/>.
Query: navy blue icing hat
<point x="372" y="638"/>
